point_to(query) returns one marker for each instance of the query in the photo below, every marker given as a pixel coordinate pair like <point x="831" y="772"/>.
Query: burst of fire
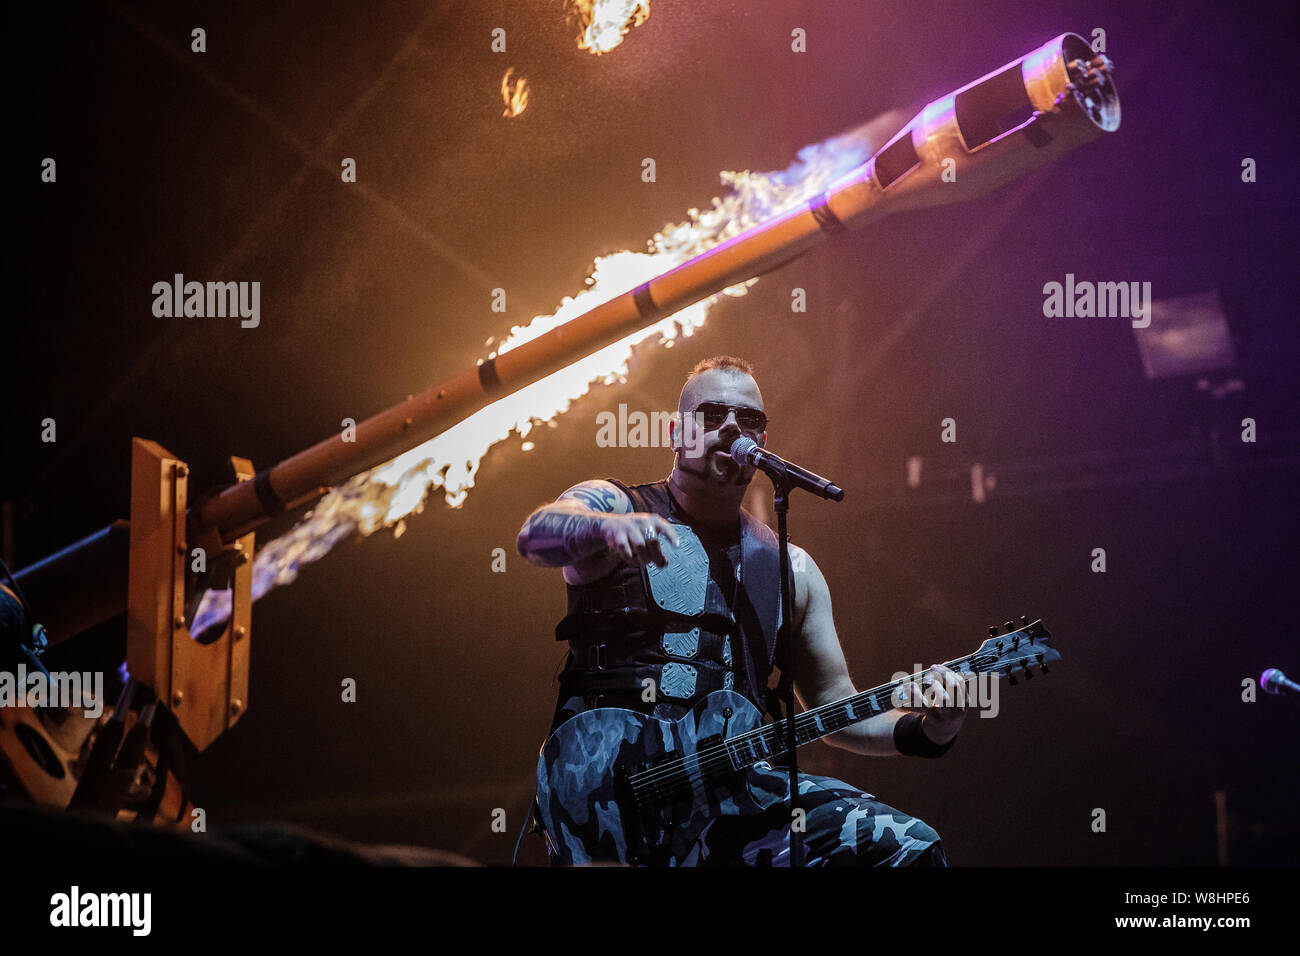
<point x="385" y="495"/>
<point x="514" y="94"/>
<point x="604" y="23"/>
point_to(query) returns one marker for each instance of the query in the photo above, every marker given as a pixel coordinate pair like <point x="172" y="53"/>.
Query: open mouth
<point x="722" y="462"/>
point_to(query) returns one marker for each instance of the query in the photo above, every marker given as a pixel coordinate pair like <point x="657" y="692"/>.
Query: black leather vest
<point x="621" y="637"/>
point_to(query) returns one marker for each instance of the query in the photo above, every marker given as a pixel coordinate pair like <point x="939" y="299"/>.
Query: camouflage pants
<point x="843" y="826"/>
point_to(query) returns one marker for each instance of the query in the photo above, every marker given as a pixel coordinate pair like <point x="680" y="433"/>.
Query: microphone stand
<point x="786" y="477"/>
<point x="781" y="505"/>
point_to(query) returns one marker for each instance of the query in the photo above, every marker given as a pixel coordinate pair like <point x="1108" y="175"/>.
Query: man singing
<point x="608" y="537"/>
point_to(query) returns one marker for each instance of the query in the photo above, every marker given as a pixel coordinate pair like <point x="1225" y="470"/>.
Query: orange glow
<point x="514" y="94"/>
<point x="604" y="23"/>
<point x="386" y="495"/>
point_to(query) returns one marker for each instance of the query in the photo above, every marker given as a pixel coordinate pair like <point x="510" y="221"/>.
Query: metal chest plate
<point x="678" y="680"/>
<point x="682" y="587"/>
<point x="679" y="644"/>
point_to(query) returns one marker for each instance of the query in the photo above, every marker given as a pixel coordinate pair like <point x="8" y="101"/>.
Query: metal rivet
<point x="177" y="698"/>
<point x="236" y="706"/>
<point x="240" y="632"/>
<point x="178" y="623"/>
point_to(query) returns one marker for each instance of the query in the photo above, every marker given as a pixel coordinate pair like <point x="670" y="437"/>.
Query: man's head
<point x="719" y="402"/>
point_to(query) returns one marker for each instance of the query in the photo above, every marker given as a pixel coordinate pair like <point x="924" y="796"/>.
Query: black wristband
<point x="910" y="740"/>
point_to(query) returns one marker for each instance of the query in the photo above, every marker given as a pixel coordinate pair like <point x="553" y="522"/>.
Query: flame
<point x="515" y="95"/>
<point x="604" y="23"/>
<point x="385" y="495"/>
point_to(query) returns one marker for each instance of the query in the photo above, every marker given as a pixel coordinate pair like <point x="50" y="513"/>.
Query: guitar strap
<point x="761" y="577"/>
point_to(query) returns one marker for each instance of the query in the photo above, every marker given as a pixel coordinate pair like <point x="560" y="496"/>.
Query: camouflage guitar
<point x="614" y="785"/>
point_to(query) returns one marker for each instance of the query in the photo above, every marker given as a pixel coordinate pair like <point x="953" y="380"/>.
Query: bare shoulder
<point x="809" y="583"/>
<point x="801" y="562"/>
<point x="599" y="495"/>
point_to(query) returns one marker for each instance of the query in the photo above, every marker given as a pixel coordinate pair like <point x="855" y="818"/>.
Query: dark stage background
<point x="225" y="165"/>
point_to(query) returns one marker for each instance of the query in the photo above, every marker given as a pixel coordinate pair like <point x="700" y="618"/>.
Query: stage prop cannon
<point x="1009" y="122"/>
<point x="994" y="130"/>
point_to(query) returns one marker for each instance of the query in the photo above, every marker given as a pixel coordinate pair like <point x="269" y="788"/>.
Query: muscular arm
<point x="588" y="530"/>
<point x="569" y="532"/>
<point x="821" y="674"/>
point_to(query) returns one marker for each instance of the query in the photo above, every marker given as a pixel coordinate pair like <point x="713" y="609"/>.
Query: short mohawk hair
<point x="726" y="362"/>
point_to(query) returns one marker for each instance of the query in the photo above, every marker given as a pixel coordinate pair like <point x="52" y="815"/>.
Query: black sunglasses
<point x="715" y="413"/>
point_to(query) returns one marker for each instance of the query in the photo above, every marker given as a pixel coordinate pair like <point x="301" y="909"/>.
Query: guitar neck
<point x="1004" y="655"/>
<point x="770" y="740"/>
<point x="1029" y="645"/>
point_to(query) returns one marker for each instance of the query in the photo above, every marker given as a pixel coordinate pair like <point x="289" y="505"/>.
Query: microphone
<point x="746" y="450"/>
<point x="1275" y="682"/>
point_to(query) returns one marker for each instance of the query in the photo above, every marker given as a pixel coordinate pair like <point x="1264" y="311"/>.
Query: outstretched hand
<point x="638" y="538"/>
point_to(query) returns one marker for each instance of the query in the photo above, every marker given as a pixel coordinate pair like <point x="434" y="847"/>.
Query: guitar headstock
<point x="1015" y="651"/>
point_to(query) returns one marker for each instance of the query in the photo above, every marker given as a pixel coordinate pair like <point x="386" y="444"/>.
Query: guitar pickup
<point x="704" y="743"/>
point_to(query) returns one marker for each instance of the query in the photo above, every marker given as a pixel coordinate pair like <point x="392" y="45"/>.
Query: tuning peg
<point x="1028" y="673"/>
<point x="1011" y="679"/>
<point x="1024" y="620"/>
<point x="993" y="630"/>
<point x="1043" y="668"/>
<point x="1011" y="626"/>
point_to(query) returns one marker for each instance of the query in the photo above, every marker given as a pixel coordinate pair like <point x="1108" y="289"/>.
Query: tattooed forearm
<point x="553" y="538"/>
<point x="595" y="498"/>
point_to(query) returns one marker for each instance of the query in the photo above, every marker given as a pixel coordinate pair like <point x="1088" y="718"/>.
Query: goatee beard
<point x="734" y="476"/>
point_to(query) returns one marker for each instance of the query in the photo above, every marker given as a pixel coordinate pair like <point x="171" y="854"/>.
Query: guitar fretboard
<point x="769" y="741"/>
<point x="1018" y="649"/>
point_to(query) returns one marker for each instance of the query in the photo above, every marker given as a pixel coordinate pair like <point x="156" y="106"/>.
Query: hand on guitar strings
<point x="941" y="697"/>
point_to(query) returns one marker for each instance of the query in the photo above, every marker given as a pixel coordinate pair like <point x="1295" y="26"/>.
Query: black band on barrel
<point x="821" y="211"/>
<point x="645" y="305"/>
<point x="487" y="376"/>
<point x="271" y="502"/>
<point x="992" y="106"/>
<point x="896" y="160"/>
